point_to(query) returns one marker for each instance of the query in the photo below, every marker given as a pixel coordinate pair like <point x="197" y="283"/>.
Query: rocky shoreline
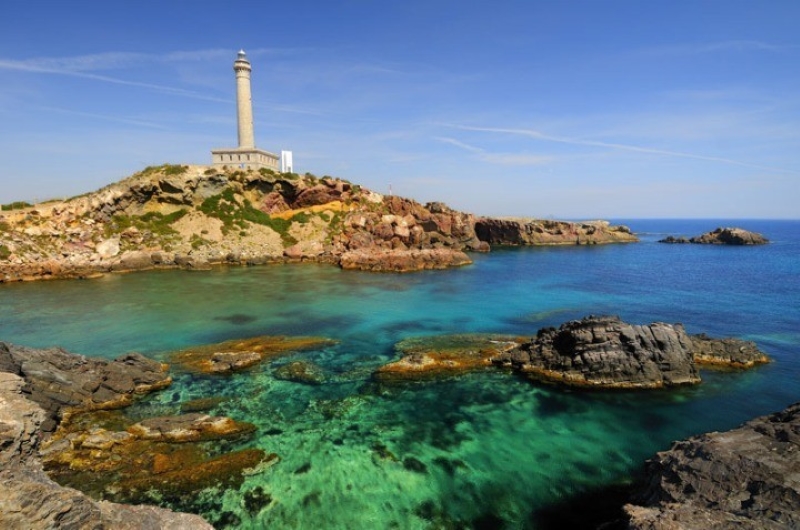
<point x="196" y="217"/>
<point x="62" y="415"/>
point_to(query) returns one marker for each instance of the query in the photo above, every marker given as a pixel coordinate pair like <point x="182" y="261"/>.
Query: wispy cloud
<point x="537" y="135"/>
<point x="105" y="117"/>
<point x="508" y="159"/>
<point x="700" y="48"/>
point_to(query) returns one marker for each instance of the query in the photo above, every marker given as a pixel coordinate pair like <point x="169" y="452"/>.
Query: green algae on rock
<point x="240" y="354"/>
<point x="428" y="357"/>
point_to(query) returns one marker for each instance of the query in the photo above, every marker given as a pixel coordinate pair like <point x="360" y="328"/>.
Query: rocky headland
<point x="721" y="236"/>
<point x="597" y="352"/>
<point x="535" y="232"/>
<point x="748" y="477"/>
<point x="194" y="217"/>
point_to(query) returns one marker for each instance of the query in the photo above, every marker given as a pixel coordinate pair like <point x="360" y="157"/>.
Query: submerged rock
<point x="239" y="354"/>
<point x="301" y="372"/>
<point x="428" y="357"/>
<point x="193" y="427"/>
<point x="748" y="477"/>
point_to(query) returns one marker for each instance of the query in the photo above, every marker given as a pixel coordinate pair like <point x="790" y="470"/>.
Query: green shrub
<point x="155" y="222"/>
<point x="17" y="205"/>
<point x="4" y="252"/>
<point x="224" y="207"/>
<point x="167" y="169"/>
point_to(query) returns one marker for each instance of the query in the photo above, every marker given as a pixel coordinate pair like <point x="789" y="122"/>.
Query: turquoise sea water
<point x="486" y="450"/>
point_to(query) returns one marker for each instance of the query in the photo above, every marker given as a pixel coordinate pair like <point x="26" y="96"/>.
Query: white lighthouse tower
<point x="246" y="155"/>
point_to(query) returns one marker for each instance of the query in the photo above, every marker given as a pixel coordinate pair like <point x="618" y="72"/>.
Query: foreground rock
<point x="30" y="500"/>
<point x="745" y="478"/>
<point x="58" y="380"/>
<point x="62" y="413"/>
<point x="428" y="357"/>
<point x="522" y="232"/>
<point x="722" y="236"/>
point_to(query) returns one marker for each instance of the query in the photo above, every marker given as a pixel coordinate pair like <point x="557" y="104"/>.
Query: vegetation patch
<point x="166" y="169"/>
<point x="235" y="214"/>
<point x="154" y="222"/>
<point x="17" y="205"/>
<point x="4" y="252"/>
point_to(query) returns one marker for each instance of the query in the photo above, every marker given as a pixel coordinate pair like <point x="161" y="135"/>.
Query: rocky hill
<point x="196" y="216"/>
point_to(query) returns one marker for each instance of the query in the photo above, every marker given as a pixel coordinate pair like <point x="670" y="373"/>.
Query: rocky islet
<point x="721" y="236"/>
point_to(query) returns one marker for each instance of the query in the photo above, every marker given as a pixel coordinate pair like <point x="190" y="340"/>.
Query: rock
<point x="194" y="427"/>
<point x="29" y="499"/>
<point x="443" y="355"/>
<point x="403" y="260"/>
<point x="57" y="380"/>
<point x="301" y="372"/>
<point x="522" y="232"/>
<point x="674" y="240"/>
<point x="239" y="354"/>
<point x="108" y="248"/>
<point x="730" y="236"/>
<point x="136" y="260"/>
<point x="604" y="352"/>
<point x="732" y="353"/>
<point x="748" y="477"/>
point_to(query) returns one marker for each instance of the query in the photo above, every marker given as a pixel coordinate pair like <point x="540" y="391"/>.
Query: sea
<point x="482" y="450"/>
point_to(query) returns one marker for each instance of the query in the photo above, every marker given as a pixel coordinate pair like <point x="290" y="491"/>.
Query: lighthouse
<point x="246" y="155"/>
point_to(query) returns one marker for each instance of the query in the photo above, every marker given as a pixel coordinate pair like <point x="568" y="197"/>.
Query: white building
<point x="246" y="155"/>
<point x="286" y="162"/>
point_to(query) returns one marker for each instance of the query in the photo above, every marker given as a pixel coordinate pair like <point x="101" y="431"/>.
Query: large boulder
<point x="605" y="352"/>
<point x="748" y="477"/>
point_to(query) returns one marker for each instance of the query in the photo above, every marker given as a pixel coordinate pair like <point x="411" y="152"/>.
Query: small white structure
<point x="246" y="155"/>
<point x="286" y="162"/>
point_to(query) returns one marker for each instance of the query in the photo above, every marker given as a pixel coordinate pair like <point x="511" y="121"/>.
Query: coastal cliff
<point x="193" y="217"/>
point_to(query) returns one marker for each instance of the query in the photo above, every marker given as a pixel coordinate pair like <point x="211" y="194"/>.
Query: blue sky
<point x="573" y="109"/>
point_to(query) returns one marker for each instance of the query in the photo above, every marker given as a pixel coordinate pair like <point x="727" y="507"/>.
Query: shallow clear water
<point x="483" y="447"/>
